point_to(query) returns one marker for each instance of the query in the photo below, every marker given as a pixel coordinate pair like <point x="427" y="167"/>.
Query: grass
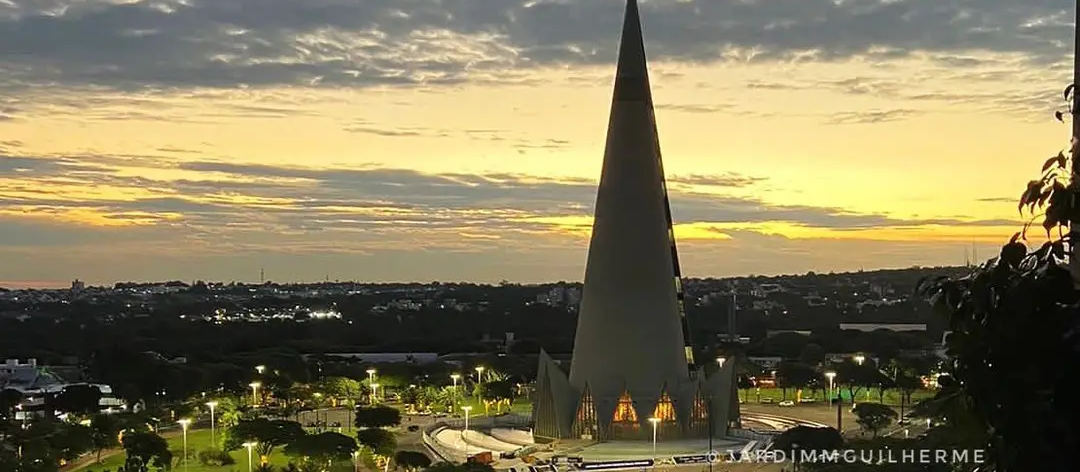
<point x="774" y="395"/>
<point x="199" y="440"/>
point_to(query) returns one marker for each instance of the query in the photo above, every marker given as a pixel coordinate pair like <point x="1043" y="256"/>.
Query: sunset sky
<point x="402" y="140"/>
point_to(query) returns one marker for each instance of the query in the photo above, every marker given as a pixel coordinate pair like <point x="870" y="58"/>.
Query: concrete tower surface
<point x="630" y="350"/>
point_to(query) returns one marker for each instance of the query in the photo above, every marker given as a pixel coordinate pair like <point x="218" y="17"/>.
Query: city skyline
<point x="397" y="141"/>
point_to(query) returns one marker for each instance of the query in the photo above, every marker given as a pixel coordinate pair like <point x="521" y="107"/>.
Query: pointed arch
<point x="665" y="408"/>
<point x="585" y="420"/>
<point x="625" y="413"/>
<point x="699" y="415"/>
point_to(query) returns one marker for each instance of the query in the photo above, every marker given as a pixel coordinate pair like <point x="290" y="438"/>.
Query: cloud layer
<point x="224" y="43"/>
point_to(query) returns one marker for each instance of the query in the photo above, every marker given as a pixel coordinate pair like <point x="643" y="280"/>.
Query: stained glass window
<point x="665" y="409"/>
<point x="624" y="411"/>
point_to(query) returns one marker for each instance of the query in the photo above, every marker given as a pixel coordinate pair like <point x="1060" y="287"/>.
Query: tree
<point x="9" y="398"/>
<point x="874" y="417"/>
<point x="380" y="441"/>
<point x="322" y="448"/>
<point x="807" y="438"/>
<point x="412" y="460"/>
<point x="269" y="434"/>
<point x="79" y="399"/>
<point x="452" y="467"/>
<point x="857" y="375"/>
<point x="226" y="413"/>
<point x="812" y="355"/>
<point x="377" y="417"/>
<point x="796" y="375"/>
<point x="104" y="433"/>
<point x="499" y="392"/>
<point x="1015" y="339"/>
<point x="339" y="388"/>
<point x="144" y="449"/>
<point x="70" y="441"/>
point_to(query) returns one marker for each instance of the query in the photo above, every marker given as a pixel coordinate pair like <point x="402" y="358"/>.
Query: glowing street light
<point x="374" y="392"/>
<point x="859" y="359"/>
<point x="255" y="392"/>
<point x="355" y="461"/>
<point x="720" y="361"/>
<point x="454" y="392"/>
<point x="260" y="369"/>
<point x="655" y="421"/>
<point x="212" y="405"/>
<point x="479" y="370"/>
<point x="467" y="409"/>
<point x="250" y="446"/>
<point x="370" y="376"/>
<point x="184" y="423"/>
<point x="830" y="375"/>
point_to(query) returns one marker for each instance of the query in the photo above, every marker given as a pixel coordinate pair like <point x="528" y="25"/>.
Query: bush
<point x="215" y="458"/>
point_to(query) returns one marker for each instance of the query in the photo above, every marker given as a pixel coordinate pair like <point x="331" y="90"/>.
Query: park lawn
<point x="521" y="405"/>
<point x="198" y="440"/>
<point x="892" y="397"/>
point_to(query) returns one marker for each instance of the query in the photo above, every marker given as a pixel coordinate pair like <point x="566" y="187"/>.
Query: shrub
<point x="215" y="458"/>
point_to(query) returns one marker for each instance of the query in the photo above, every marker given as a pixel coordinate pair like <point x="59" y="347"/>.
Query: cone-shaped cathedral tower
<point x="632" y="359"/>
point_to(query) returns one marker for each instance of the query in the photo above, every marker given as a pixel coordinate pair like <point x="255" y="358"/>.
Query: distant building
<point x="868" y="327"/>
<point x="766" y="362"/>
<point x="388" y="357"/>
<point x="773" y="332"/>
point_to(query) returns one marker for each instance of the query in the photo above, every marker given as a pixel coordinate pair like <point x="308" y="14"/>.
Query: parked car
<point x="787" y="403"/>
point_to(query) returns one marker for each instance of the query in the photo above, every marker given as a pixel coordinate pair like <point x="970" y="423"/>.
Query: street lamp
<point x="212" y="405"/>
<point x="720" y="361"/>
<point x="355" y="461"/>
<point x="255" y="392"/>
<point x="479" y="370"/>
<point x="250" y="446"/>
<point x="184" y="423"/>
<point x="467" y="409"/>
<point x="655" y="421"/>
<point x="260" y="369"/>
<point x="374" y="392"/>
<point x="370" y="376"/>
<point x="318" y="406"/>
<point x="453" y="392"/>
<point x="830" y="375"/>
<point x="859" y="359"/>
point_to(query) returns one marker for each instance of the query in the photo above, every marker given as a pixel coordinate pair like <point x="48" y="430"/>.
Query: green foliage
<point x="322" y="447"/>
<point x="215" y="458"/>
<point x="1015" y="342"/>
<point x="808" y="438"/>
<point x="340" y="388"/>
<point x="376" y="417"/>
<point x="812" y="355"/>
<point x="453" y="467"/>
<point x="380" y="441"/>
<point x="797" y="375"/>
<point x="9" y="397"/>
<point x="412" y="459"/>
<point x="145" y="449"/>
<point x="269" y="434"/>
<point x="874" y="417"/>
<point x="79" y="399"/>
<point x="226" y="412"/>
<point x="497" y="390"/>
<point x="105" y="432"/>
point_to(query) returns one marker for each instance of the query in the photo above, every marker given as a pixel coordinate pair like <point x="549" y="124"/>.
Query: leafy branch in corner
<point x="1055" y="192"/>
<point x="1014" y="347"/>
